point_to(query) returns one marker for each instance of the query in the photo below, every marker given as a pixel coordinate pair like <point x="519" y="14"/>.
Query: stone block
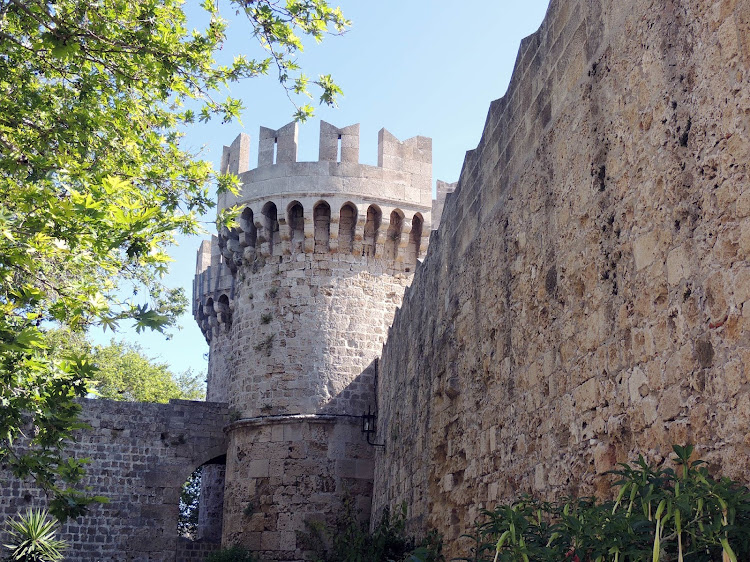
<point x="670" y="404"/>
<point x="678" y="265"/>
<point x="270" y="540"/>
<point x="586" y="396"/>
<point x="258" y="468"/>
<point x="644" y="250"/>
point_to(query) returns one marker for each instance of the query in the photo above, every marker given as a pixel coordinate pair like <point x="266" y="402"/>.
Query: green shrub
<point x="659" y="514"/>
<point x="32" y="538"/>
<point x="350" y="540"/>
<point x="232" y="554"/>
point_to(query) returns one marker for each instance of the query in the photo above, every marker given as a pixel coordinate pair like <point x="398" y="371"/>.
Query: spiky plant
<point x="33" y="538"/>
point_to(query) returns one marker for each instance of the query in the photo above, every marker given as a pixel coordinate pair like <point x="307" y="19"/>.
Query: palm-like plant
<point x="681" y="514"/>
<point x="33" y="538"/>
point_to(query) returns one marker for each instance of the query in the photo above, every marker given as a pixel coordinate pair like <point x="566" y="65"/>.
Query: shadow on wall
<point x="357" y="396"/>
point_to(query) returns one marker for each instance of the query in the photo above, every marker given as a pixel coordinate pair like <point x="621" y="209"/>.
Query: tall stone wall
<point x="587" y="295"/>
<point x="140" y="454"/>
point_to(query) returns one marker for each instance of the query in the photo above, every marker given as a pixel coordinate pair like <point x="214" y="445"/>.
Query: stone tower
<point x="295" y="303"/>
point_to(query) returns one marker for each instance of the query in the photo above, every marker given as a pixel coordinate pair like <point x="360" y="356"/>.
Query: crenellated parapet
<point x="376" y="216"/>
<point x="403" y="173"/>
<point x="213" y="288"/>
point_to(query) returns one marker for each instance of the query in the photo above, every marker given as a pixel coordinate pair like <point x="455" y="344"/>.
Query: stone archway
<point x="140" y="456"/>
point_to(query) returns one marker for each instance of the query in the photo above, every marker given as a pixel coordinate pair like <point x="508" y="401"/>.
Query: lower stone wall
<point x="140" y="454"/>
<point x="287" y="471"/>
<point x="194" y="551"/>
<point x="587" y="296"/>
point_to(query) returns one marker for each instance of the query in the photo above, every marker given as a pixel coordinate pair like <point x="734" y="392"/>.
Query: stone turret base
<point x="284" y="472"/>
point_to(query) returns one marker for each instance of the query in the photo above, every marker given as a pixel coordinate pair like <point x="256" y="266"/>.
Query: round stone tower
<point x="295" y="303"/>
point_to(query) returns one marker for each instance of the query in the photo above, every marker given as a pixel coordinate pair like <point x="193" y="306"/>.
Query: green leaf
<point x="96" y="181"/>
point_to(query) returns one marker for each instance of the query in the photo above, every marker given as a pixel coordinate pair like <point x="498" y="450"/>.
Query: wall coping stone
<point x="261" y="421"/>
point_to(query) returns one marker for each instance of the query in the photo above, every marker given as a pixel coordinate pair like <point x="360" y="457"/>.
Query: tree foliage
<point x="124" y="372"/>
<point x="187" y="522"/>
<point x="94" y="183"/>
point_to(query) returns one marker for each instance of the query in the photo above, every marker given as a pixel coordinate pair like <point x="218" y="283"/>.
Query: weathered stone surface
<point x="141" y="454"/>
<point x="278" y="485"/>
<point x="585" y="297"/>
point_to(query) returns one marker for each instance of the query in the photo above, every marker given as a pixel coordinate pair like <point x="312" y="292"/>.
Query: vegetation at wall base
<point x="232" y="554"/>
<point x="95" y="183"/>
<point x="349" y="540"/>
<point x="33" y="539"/>
<point x="680" y="514"/>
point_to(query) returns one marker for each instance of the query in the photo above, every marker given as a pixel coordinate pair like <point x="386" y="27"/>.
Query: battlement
<point x="277" y="147"/>
<point x="334" y="212"/>
<point x="403" y="172"/>
<point x="337" y="144"/>
<point x="443" y="190"/>
<point x="236" y="157"/>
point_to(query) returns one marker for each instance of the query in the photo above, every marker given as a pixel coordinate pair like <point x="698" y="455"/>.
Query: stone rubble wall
<point x="587" y="296"/>
<point x="141" y="454"/>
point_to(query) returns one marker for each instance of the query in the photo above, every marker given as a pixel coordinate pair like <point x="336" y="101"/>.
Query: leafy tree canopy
<point x="124" y="372"/>
<point x="94" y="183"/>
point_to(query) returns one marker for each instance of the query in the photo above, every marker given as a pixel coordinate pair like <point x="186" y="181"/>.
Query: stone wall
<point x="288" y="471"/>
<point x="587" y="296"/>
<point x="194" y="551"/>
<point x="141" y="454"/>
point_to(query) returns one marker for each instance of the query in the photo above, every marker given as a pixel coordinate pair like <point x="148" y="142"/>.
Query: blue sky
<point x="426" y="68"/>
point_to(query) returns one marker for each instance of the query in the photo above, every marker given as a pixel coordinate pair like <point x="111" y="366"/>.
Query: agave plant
<point x="33" y="538"/>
